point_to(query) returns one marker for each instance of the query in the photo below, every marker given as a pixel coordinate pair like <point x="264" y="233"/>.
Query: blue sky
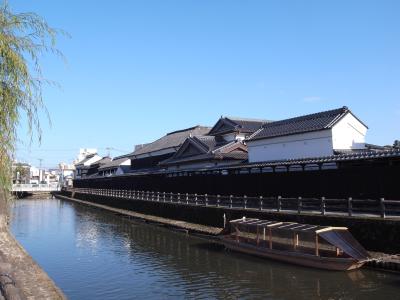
<point x="139" y="69"/>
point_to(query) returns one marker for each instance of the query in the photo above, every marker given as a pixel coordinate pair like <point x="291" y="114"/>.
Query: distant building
<point x="83" y="166"/>
<point x="222" y="146"/>
<point x="235" y="129"/>
<point x="314" y="135"/>
<point x="117" y="166"/>
<point x="67" y="173"/>
<point x="36" y="175"/>
<point x="83" y="153"/>
<point x="150" y="155"/>
<point x="205" y="152"/>
<point x="93" y="168"/>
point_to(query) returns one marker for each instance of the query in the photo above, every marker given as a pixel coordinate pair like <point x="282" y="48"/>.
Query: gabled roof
<point x="101" y="162"/>
<point x="308" y="123"/>
<point x="171" y="140"/>
<point x="207" y="148"/>
<point x="115" y="163"/>
<point x="83" y="161"/>
<point x="233" y="124"/>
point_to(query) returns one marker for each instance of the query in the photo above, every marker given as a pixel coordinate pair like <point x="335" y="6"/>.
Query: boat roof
<point x="290" y="226"/>
<point x="337" y="236"/>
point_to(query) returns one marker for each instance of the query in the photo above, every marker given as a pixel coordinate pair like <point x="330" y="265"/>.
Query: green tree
<point x="21" y="172"/>
<point x="24" y="38"/>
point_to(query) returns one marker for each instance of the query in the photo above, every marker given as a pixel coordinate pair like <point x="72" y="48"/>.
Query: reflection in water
<point x="93" y="254"/>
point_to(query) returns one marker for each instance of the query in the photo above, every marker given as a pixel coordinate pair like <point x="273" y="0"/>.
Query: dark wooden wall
<point x="361" y="181"/>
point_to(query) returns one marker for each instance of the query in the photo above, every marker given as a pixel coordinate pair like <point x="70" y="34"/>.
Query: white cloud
<point x="312" y="99"/>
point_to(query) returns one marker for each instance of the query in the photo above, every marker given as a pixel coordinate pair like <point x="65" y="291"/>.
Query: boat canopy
<point x="346" y="242"/>
<point x="338" y="237"/>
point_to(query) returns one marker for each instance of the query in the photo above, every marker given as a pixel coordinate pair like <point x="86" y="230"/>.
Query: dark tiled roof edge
<point x="188" y="129"/>
<point x="335" y="114"/>
<point x="328" y="159"/>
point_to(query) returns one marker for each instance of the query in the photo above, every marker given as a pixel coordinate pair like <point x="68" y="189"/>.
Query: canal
<point x="94" y="254"/>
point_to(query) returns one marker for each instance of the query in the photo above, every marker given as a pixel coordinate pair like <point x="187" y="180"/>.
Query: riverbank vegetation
<point x="24" y="38"/>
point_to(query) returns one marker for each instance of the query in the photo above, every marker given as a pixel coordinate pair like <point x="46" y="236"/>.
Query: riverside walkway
<point x="354" y="208"/>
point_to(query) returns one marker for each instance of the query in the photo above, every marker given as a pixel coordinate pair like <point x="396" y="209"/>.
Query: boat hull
<point x="303" y="259"/>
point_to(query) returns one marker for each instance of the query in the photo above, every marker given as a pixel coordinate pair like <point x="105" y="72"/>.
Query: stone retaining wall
<point x="374" y="234"/>
<point x="24" y="278"/>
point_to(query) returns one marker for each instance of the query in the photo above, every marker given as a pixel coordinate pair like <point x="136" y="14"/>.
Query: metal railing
<point x="381" y="208"/>
<point x="31" y="187"/>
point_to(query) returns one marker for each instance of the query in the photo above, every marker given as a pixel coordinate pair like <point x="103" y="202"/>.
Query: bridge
<point x="34" y="188"/>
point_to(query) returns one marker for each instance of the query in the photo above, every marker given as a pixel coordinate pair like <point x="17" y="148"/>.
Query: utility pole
<point x="40" y="163"/>
<point x="40" y="170"/>
<point x="108" y="151"/>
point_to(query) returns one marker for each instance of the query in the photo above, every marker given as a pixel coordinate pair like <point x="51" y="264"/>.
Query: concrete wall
<point x="311" y="144"/>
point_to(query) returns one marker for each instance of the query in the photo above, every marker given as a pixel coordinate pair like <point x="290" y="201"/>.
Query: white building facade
<point x="315" y="135"/>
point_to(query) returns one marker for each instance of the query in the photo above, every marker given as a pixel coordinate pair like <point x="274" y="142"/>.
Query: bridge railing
<point x="32" y="187"/>
<point x="349" y="207"/>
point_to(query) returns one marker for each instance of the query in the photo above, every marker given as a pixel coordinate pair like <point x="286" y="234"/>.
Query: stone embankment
<point x="20" y="276"/>
<point x="381" y="261"/>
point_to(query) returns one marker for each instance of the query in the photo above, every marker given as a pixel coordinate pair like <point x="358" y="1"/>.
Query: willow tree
<point x="24" y="38"/>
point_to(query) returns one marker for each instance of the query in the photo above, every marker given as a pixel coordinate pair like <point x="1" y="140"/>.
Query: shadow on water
<point x="142" y="260"/>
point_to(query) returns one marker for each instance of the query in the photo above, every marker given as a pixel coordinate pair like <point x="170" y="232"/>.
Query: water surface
<point x="94" y="254"/>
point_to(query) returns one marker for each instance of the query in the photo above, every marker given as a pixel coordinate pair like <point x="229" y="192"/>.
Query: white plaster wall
<point x="119" y="171"/>
<point x="234" y="136"/>
<point x="349" y="133"/>
<point x="312" y="144"/>
<point x="92" y="160"/>
<point x="126" y="162"/>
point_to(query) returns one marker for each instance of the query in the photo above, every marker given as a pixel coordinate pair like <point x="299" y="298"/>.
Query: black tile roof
<point x="85" y="159"/>
<point x="236" y="155"/>
<point x="171" y="140"/>
<point x="102" y="161"/>
<point x="234" y="124"/>
<point x="363" y="156"/>
<point x="211" y="148"/>
<point x="248" y="125"/>
<point x="115" y="163"/>
<point x="210" y="143"/>
<point x="308" y="123"/>
<point x="367" y="155"/>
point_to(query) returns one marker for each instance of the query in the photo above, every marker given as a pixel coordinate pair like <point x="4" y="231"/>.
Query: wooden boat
<point x="323" y="247"/>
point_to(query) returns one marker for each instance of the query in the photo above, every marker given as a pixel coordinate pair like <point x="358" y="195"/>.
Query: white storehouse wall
<point x="349" y="133"/>
<point x="303" y="145"/>
<point x="120" y="171"/>
<point x="93" y="160"/>
<point x="234" y="136"/>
